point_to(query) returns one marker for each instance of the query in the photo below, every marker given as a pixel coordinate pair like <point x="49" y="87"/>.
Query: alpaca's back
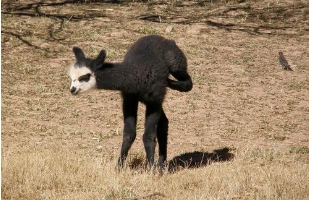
<point x="150" y="60"/>
<point x="147" y="53"/>
<point x="154" y="49"/>
<point x="159" y="57"/>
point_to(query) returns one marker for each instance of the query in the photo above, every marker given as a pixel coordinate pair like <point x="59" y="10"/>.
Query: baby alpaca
<point x="142" y="76"/>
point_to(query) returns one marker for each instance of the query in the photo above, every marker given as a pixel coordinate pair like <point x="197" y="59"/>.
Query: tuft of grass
<point x="299" y="149"/>
<point x="148" y="30"/>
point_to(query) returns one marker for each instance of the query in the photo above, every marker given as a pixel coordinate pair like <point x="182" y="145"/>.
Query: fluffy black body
<point x="143" y="77"/>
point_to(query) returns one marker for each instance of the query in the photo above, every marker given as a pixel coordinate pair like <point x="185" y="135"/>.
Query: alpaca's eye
<point x="85" y="78"/>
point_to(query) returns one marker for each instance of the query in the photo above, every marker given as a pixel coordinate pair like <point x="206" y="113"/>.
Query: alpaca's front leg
<point x="129" y="135"/>
<point x="130" y="105"/>
<point x="153" y="113"/>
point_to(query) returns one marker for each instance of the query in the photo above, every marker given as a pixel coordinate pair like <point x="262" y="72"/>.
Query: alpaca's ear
<point x="99" y="61"/>
<point x="101" y="57"/>
<point x="79" y="54"/>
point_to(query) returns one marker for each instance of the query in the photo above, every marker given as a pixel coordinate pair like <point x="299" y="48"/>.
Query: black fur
<point x="143" y="76"/>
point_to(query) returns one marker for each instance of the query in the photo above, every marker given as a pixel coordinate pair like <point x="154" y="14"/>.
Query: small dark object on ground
<point x="284" y="63"/>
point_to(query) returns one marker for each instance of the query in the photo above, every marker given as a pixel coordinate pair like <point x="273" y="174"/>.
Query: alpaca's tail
<point x="183" y="83"/>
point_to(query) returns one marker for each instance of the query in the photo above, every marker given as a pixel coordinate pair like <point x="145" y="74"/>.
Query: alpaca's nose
<point x="72" y="90"/>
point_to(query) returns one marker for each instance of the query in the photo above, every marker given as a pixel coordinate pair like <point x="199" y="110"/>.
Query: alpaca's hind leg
<point x="162" y="132"/>
<point x="130" y="104"/>
<point x="153" y="113"/>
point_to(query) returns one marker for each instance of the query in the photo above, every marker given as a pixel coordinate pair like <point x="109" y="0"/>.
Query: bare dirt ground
<point x="242" y="99"/>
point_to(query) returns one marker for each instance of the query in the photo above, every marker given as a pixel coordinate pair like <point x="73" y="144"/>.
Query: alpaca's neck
<point x="115" y="77"/>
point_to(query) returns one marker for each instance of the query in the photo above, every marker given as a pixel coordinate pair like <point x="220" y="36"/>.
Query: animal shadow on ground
<point x="190" y="160"/>
<point x="199" y="159"/>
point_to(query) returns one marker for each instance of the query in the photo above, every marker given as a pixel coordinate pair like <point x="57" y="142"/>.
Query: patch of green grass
<point x="264" y="155"/>
<point x="149" y="30"/>
<point x="121" y="193"/>
<point x="297" y="85"/>
<point x="299" y="149"/>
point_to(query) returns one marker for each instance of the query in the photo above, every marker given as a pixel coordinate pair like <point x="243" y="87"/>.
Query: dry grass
<point x="66" y="174"/>
<point x="57" y="146"/>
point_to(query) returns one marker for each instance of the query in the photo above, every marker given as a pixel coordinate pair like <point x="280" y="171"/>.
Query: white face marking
<point x="78" y="85"/>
